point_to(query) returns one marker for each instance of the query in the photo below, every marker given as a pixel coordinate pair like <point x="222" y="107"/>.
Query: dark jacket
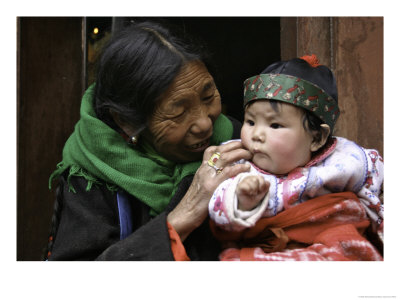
<point x="104" y="225"/>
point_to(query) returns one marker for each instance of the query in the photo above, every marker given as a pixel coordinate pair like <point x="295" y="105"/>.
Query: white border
<point x="301" y="280"/>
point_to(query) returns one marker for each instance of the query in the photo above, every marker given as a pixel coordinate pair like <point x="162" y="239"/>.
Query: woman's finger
<point x="222" y="148"/>
<point x="226" y="154"/>
<point x="229" y="157"/>
<point x="231" y="171"/>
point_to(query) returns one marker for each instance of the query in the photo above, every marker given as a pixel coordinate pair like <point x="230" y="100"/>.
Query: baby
<point x="290" y="113"/>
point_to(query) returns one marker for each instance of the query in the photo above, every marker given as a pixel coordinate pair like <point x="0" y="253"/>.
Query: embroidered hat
<point x="300" y="81"/>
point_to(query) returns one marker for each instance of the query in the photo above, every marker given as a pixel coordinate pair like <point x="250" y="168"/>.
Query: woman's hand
<point x="193" y="208"/>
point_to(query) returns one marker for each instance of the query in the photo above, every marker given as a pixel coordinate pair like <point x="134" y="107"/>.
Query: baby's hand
<point x="250" y="191"/>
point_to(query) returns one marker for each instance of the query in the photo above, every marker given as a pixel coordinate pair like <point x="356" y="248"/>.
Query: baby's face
<point x="277" y="139"/>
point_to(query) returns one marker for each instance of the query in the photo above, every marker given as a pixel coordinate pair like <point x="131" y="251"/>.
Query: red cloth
<point x="329" y="227"/>
<point x="178" y="250"/>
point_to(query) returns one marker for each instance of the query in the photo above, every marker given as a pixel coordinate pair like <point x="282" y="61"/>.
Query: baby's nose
<point x="258" y="136"/>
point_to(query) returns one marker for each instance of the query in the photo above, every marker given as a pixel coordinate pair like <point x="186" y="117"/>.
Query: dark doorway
<point x="240" y="47"/>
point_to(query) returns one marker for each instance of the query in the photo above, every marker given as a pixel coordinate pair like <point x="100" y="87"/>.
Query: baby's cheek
<point x="284" y="152"/>
<point x="289" y="156"/>
<point x="278" y="144"/>
<point x="245" y="139"/>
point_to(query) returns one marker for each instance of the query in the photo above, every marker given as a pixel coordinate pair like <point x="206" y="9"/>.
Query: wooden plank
<point x="314" y="37"/>
<point x="359" y="71"/>
<point x="288" y="38"/>
<point x="353" y="48"/>
<point x="50" y="88"/>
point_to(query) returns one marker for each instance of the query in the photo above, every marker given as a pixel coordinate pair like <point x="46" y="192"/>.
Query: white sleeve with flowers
<point x="372" y="188"/>
<point x="223" y="206"/>
<point x="350" y="168"/>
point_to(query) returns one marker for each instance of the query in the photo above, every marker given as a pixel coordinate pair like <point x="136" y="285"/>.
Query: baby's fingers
<point x="263" y="185"/>
<point x="249" y="186"/>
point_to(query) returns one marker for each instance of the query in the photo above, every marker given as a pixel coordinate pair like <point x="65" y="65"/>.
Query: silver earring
<point x="133" y="140"/>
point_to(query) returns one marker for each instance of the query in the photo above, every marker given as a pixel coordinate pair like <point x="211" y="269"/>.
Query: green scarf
<point x="99" y="153"/>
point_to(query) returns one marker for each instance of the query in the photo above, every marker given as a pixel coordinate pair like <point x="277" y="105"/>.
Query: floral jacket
<point x="341" y="165"/>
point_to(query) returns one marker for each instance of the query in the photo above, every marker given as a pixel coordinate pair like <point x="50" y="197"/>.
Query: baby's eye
<point x="276" y="126"/>
<point x="250" y="122"/>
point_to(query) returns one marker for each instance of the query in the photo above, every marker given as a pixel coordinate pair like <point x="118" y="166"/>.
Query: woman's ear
<point x="127" y="128"/>
<point x="320" y="137"/>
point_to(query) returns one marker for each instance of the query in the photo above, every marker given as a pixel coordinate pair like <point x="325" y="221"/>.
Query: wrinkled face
<point x="182" y="124"/>
<point x="278" y="140"/>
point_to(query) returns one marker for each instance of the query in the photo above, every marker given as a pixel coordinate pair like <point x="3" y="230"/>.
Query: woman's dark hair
<point x="136" y="66"/>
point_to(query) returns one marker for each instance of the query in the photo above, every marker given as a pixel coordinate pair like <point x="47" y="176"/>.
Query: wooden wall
<point x="50" y="85"/>
<point x="353" y="48"/>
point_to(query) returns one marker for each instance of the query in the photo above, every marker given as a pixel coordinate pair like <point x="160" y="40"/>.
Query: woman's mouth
<point x="200" y="146"/>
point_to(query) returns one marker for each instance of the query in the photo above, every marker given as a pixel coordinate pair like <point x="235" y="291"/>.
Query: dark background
<point x="240" y="47"/>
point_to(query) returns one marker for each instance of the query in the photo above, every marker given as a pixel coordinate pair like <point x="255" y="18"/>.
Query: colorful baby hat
<point x="300" y="81"/>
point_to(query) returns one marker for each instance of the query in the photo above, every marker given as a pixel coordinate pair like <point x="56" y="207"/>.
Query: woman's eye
<point x="275" y="125"/>
<point x="208" y="98"/>
<point x="179" y="114"/>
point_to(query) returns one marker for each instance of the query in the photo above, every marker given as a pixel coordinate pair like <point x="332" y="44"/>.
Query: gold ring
<point x="213" y="160"/>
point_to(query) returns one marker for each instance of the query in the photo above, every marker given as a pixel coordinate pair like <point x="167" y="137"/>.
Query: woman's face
<point x="182" y="124"/>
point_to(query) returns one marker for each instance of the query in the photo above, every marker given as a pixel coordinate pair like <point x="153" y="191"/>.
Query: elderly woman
<point x="145" y="157"/>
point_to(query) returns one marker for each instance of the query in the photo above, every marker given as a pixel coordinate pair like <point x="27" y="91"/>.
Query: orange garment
<point x="328" y="227"/>
<point x="177" y="248"/>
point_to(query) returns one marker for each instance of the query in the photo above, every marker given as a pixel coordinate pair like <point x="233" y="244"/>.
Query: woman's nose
<point x="202" y="124"/>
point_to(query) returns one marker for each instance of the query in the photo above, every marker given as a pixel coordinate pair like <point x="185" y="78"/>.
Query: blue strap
<point x="125" y="214"/>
